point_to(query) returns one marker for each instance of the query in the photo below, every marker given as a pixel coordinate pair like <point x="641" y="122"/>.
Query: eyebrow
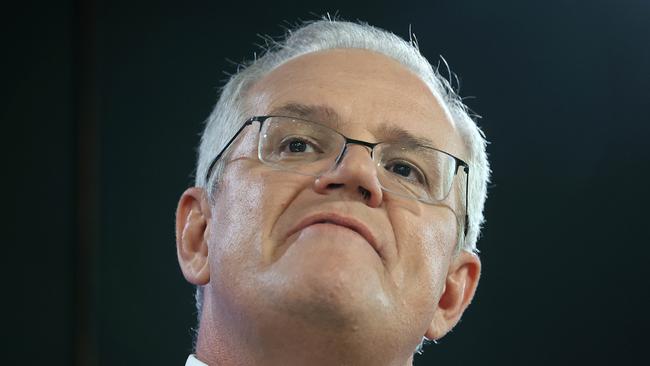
<point x="393" y="133"/>
<point x="385" y="132"/>
<point x="315" y="113"/>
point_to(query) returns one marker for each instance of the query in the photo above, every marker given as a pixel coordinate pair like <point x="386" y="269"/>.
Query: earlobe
<point x="192" y="218"/>
<point x="458" y="291"/>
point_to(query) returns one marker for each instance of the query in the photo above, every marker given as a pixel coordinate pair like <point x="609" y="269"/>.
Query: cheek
<point x="425" y="246"/>
<point x="235" y="213"/>
<point x="250" y="201"/>
<point x="424" y="260"/>
<point x="437" y="244"/>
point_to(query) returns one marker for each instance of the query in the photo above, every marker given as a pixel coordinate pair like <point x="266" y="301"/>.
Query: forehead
<point x="361" y="93"/>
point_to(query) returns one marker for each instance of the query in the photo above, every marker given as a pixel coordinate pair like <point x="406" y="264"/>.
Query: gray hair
<point x="230" y="110"/>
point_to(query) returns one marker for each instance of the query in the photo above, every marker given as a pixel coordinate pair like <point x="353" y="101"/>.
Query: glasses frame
<point x="371" y="145"/>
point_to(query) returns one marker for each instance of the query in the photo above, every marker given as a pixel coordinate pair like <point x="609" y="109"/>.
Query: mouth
<point x="340" y="220"/>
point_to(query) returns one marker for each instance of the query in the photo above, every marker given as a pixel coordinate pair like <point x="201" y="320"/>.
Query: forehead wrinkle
<point x="392" y="133"/>
<point x="316" y="113"/>
<point x="324" y="114"/>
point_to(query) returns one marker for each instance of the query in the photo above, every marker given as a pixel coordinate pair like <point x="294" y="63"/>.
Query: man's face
<point x="369" y="261"/>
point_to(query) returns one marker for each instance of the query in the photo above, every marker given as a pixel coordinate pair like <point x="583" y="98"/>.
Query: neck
<point x="237" y="342"/>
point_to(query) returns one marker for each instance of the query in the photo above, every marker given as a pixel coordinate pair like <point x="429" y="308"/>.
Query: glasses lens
<point x="415" y="171"/>
<point x="299" y="146"/>
<point x="308" y="148"/>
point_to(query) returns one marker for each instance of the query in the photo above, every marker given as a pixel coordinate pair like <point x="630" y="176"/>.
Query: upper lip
<point x="341" y="220"/>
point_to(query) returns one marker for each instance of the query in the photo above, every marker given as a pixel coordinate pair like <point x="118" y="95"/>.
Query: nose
<point x="356" y="174"/>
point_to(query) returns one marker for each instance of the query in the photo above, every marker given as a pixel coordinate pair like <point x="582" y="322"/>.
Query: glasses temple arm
<point x="214" y="161"/>
<point x="466" y="169"/>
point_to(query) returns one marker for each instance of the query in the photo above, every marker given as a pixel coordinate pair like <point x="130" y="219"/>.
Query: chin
<point x="334" y="288"/>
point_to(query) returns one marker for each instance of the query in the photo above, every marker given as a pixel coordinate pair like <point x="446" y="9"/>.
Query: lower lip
<point x="329" y="230"/>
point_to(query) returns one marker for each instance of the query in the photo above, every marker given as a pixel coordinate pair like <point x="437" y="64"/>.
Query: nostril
<point x="334" y="185"/>
<point x="365" y="193"/>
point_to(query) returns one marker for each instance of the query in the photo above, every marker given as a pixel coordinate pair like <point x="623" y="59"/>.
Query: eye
<point x="401" y="169"/>
<point x="406" y="170"/>
<point x="297" y="145"/>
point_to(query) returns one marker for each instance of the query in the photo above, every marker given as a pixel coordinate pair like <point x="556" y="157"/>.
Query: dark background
<point x="103" y="102"/>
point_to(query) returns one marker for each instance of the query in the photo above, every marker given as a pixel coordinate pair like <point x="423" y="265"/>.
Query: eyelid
<point x="310" y="141"/>
<point x="413" y="166"/>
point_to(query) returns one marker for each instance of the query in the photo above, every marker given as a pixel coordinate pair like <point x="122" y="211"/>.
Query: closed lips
<point x="336" y="219"/>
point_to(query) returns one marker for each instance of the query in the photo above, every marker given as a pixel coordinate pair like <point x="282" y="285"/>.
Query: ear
<point x="460" y="285"/>
<point x="192" y="218"/>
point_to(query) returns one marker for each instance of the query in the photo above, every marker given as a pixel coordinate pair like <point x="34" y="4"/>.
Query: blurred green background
<point x="107" y="98"/>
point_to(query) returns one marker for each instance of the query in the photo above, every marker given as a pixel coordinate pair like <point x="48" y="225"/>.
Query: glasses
<point x="407" y="170"/>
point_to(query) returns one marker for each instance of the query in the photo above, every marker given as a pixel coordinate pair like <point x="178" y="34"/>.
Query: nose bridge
<point x="354" y="171"/>
<point x="362" y="144"/>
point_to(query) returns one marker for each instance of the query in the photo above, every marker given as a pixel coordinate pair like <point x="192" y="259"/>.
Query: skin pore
<point x="277" y="293"/>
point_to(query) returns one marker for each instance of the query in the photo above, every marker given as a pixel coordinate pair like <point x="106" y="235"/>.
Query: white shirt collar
<point x="193" y="361"/>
